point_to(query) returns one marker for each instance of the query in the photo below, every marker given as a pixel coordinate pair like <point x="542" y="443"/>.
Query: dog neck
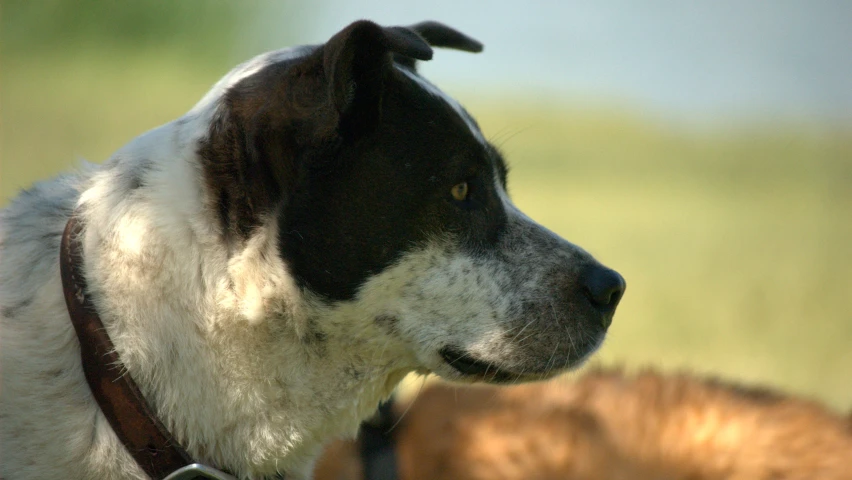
<point x="118" y="396"/>
<point x="243" y="368"/>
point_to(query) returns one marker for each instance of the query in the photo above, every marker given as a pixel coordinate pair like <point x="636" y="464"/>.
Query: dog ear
<point x="356" y="62"/>
<point x="439" y="35"/>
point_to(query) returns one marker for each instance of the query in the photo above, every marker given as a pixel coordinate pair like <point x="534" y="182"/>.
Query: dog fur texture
<point x="610" y="426"/>
<point x="271" y="264"/>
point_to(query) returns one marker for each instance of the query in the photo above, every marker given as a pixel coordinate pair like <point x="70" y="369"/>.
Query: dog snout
<point x="604" y="288"/>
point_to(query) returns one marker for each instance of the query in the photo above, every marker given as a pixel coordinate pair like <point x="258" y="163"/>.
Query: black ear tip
<point x="421" y="52"/>
<point x="406" y="42"/>
<point x="439" y="35"/>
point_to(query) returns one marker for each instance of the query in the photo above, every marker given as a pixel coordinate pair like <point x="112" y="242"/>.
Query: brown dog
<point x="610" y="426"/>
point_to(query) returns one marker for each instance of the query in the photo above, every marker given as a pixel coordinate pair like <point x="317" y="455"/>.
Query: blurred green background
<point x="735" y="236"/>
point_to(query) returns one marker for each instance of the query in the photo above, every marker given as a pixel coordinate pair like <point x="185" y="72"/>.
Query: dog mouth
<point x="476" y="369"/>
<point x="470" y="366"/>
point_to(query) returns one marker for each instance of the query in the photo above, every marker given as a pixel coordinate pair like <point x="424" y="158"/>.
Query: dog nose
<point x="604" y="288"/>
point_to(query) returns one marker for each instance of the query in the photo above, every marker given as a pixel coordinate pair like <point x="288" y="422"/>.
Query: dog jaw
<point x="506" y="311"/>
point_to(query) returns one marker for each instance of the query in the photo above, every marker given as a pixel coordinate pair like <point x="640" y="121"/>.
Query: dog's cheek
<point x="440" y="295"/>
<point x="457" y="300"/>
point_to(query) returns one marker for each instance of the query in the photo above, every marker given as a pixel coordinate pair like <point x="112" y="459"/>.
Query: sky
<point x="721" y="59"/>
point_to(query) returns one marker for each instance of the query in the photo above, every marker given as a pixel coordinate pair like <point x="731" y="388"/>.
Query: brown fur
<point x="609" y="426"/>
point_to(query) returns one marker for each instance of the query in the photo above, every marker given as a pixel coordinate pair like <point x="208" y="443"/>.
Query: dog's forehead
<point x="438" y="94"/>
<point x="453" y="124"/>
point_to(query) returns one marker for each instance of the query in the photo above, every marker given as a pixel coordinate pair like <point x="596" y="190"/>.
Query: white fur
<point x="215" y="333"/>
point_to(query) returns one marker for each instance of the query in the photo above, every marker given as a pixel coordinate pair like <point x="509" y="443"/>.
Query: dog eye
<point x="459" y="191"/>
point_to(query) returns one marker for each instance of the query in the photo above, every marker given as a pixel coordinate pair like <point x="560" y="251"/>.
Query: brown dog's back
<point x="609" y="426"/>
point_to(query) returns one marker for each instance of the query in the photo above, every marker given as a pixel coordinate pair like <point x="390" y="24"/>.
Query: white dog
<point x="269" y="266"/>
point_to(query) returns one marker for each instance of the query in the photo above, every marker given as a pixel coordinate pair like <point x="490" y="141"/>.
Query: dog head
<point x="390" y="205"/>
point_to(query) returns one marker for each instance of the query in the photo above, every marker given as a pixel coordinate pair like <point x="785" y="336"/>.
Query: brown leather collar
<point x="120" y="400"/>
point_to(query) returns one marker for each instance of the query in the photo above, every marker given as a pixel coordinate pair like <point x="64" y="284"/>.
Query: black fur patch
<point x="355" y="159"/>
<point x="387" y="322"/>
<point x="368" y="201"/>
<point x="13" y="310"/>
<point x="136" y="178"/>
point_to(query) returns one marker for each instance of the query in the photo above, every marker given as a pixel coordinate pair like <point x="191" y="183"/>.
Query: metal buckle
<point x="196" y="471"/>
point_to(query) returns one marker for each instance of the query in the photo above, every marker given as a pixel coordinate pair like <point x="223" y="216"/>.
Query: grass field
<point x="736" y="244"/>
